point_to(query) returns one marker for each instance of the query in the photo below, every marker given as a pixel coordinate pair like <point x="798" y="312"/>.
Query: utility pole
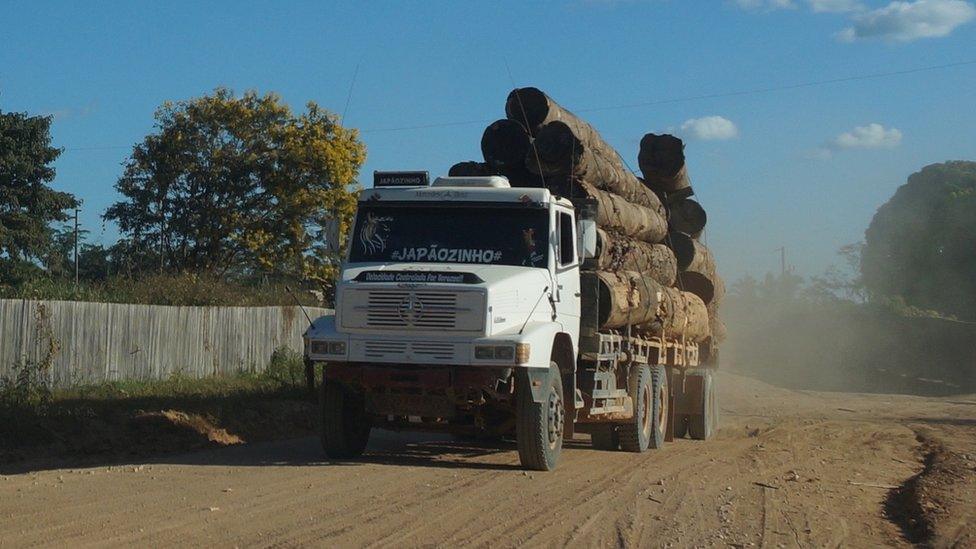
<point x="161" y="220"/>
<point x="782" y="260"/>
<point x="76" y="249"/>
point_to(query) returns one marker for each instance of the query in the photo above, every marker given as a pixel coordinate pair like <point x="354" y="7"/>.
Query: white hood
<point x="512" y="291"/>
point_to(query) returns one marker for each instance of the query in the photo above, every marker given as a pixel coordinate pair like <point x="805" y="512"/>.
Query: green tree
<point x="921" y="245"/>
<point x="238" y="185"/>
<point x="28" y="205"/>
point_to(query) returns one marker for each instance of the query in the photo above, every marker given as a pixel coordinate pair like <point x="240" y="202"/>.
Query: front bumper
<point x="323" y="343"/>
<point x="428" y="391"/>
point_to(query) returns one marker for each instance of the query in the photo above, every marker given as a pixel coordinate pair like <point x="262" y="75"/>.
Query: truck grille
<point x="402" y="350"/>
<point x="413" y="309"/>
<point x="401" y="309"/>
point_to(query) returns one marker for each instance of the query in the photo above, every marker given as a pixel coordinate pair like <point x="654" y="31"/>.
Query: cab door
<point x="567" y="294"/>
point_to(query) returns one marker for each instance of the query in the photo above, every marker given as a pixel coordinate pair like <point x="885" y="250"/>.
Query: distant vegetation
<point x="921" y="245"/>
<point x="229" y="200"/>
<point x="898" y="314"/>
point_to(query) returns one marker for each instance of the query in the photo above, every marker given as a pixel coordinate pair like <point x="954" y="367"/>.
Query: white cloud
<point x="765" y="4"/>
<point x="834" y="6"/>
<point x="709" y="128"/>
<point x="907" y="21"/>
<point x="872" y="136"/>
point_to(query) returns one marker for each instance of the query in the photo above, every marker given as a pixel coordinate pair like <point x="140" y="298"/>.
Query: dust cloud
<point x="787" y="335"/>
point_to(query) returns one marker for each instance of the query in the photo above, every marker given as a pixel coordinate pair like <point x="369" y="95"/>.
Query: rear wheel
<point x="539" y="425"/>
<point x="702" y="426"/>
<point x="649" y="389"/>
<point x="604" y="437"/>
<point x="345" y="423"/>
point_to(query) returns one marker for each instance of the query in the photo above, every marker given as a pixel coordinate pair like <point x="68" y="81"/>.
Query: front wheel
<point x="539" y="425"/>
<point x="345" y="424"/>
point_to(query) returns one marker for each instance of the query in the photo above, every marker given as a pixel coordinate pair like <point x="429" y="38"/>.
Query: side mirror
<point x="586" y="234"/>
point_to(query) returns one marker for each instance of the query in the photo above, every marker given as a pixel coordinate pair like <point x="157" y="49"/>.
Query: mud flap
<point x="539" y="382"/>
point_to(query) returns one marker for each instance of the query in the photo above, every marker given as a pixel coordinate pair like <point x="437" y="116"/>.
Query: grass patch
<point x="133" y="418"/>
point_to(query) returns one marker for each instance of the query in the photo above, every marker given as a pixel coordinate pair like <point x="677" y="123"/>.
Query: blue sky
<point x="803" y="168"/>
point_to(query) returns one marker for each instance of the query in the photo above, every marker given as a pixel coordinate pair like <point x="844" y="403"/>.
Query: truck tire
<point x="604" y="437"/>
<point x="703" y="425"/>
<point x="539" y="425"/>
<point x="345" y="424"/>
<point x="649" y="386"/>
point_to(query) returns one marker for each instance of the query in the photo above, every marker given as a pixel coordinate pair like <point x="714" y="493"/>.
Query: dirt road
<point x="787" y="469"/>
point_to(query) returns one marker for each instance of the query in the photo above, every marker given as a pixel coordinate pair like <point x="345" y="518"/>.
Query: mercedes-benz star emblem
<point x="410" y="309"/>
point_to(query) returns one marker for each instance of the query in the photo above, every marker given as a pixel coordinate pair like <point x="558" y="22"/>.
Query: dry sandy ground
<point x="787" y="469"/>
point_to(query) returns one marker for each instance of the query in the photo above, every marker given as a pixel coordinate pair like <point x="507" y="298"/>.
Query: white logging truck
<point x="471" y="307"/>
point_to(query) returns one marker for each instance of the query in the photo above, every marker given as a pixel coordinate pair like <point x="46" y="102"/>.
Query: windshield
<point x="477" y="234"/>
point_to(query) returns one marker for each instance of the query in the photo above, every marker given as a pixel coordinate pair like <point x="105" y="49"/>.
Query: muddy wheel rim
<point x="647" y="406"/>
<point x="555" y="417"/>
<point x="662" y="413"/>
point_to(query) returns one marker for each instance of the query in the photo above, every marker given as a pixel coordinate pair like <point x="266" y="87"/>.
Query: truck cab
<point x="457" y="309"/>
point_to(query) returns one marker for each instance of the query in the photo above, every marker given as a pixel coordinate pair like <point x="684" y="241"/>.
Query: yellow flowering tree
<point x="230" y="185"/>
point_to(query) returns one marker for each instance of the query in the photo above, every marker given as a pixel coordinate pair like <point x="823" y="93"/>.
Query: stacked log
<point x="662" y="161"/>
<point x="627" y="298"/>
<point x="651" y="273"/>
<point x="621" y="253"/>
<point x="681" y="313"/>
<point x="504" y="144"/>
<point x="469" y="168"/>
<point x="686" y="216"/>
<point x="662" y="164"/>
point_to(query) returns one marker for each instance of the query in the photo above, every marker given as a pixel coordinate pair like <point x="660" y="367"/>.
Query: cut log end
<point x="683" y="246"/>
<point x="663" y="155"/>
<point x="687" y="216"/>
<point x="504" y="144"/>
<point x="469" y="168"/>
<point x="557" y="150"/>
<point x="529" y="106"/>
<point x="698" y="284"/>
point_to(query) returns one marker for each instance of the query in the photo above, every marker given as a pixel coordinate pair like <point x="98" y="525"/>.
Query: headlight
<point x="504" y="353"/>
<point x="501" y="353"/>
<point x="319" y="348"/>
<point x="484" y="352"/>
<point x="327" y="348"/>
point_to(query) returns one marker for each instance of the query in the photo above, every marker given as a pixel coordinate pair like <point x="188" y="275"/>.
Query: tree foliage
<point x="921" y="245"/>
<point x="238" y="185"/>
<point x="28" y="205"/>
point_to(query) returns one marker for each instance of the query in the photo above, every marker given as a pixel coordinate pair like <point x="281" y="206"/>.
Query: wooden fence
<point x="95" y="342"/>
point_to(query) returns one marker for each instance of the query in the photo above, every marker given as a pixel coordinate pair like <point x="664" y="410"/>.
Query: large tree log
<point x="662" y="161"/>
<point x="696" y="267"/>
<point x="469" y="168"/>
<point x="686" y="216"/>
<point x="532" y="108"/>
<point x="613" y="212"/>
<point x="504" y="144"/>
<point x="626" y="298"/>
<point x="561" y="150"/>
<point x="621" y="253"/>
<point x="680" y="314"/>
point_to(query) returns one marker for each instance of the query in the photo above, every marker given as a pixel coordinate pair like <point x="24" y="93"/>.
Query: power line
<point x="717" y="95"/>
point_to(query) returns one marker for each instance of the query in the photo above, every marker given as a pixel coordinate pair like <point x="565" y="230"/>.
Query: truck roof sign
<point x="401" y="179"/>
